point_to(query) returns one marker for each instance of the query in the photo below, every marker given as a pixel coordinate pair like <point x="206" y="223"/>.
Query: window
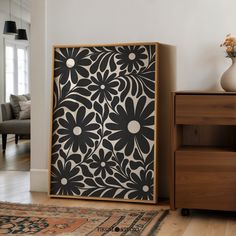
<point x="16" y="69"/>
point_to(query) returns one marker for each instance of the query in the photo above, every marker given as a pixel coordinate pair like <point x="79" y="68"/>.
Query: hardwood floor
<point x="14" y="187"/>
<point x="16" y="157"/>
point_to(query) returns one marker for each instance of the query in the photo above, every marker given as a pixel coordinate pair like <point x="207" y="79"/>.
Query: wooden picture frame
<point x="104" y="122"/>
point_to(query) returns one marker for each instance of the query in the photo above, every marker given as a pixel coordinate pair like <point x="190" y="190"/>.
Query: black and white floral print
<point x="78" y="132"/>
<point x="103" y="122"/>
<point x="131" y="57"/>
<point x="102" y="164"/>
<point x="66" y="180"/>
<point x="131" y="125"/>
<point x="69" y="63"/>
<point x="141" y="185"/>
<point x="104" y="86"/>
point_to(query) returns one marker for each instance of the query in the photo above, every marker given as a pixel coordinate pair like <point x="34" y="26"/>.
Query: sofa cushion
<point x="15" y="127"/>
<point x="7" y="113"/>
<point x="14" y="100"/>
<point x="27" y="96"/>
<point x="24" y="110"/>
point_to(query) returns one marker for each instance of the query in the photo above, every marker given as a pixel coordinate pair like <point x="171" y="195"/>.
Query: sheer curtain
<point x="16" y="68"/>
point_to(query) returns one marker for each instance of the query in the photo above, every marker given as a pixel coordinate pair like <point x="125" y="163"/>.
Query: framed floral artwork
<point x="104" y="122"/>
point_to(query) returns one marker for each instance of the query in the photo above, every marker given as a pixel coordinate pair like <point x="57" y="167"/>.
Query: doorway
<point x="14" y="79"/>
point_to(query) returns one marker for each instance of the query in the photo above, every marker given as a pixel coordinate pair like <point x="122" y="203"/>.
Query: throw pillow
<point x="14" y="100"/>
<point x="27" y="96"/>
<point x="25" y="110"/>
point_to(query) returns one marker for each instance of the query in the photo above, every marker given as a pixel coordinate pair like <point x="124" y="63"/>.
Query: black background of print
<point x="96" y="99"/>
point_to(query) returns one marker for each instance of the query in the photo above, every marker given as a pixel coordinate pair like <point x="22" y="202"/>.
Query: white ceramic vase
<point x="228" y="79"/>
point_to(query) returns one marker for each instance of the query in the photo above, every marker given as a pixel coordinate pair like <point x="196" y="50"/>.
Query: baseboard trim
<point x="39" y="180"/>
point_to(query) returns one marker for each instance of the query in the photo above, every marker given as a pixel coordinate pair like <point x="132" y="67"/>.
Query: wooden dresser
<point x="203" y="159"/>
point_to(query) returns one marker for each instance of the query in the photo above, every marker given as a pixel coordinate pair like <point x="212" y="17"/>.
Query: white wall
<point x="39" y="81"/>
<point x="17" y="11"/>
<point x="196" y="28"/>
<point x="39" y="98"/>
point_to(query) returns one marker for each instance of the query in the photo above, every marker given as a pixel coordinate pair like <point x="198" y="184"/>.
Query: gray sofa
<point x="11" y="125"/>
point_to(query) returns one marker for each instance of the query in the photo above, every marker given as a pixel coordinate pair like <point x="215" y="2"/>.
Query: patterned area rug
<point x="27" y="219"/>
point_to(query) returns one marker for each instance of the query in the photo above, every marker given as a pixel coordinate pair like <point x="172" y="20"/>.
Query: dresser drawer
<point x="205" y="180"/>
<point x="205" y="109"/>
